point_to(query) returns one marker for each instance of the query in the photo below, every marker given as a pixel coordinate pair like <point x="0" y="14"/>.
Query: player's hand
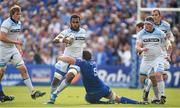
<point x="168" y="58"/>
<point x="144" y="49"/>
<point x="68" y="40"/>
<point x="18" y="42"/>
<point x="56" y="40"/>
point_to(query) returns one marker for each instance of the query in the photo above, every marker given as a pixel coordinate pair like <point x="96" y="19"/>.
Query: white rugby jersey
<point x="76" y="49"/>
<point x="12" y="29"/>
<point x="165" y="27"/>
<point x="154" y="41"/>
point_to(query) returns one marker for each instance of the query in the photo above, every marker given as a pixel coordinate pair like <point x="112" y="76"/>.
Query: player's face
<point x="156" y="16"/>
<point x="75" y="24"/>
<point x="17" y="16"/>
<point x="148" y="27"/>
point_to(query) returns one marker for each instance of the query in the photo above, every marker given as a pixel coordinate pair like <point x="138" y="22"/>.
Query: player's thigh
<point x="5" y="56"/>
<point x="16" y="58"/>
<point x="159" y="65"/>
<point x="61" y="69"/>
<point x="145" y="68"/>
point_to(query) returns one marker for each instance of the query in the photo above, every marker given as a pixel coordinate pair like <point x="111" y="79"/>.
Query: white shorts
<point x="11" y="55"/>
<point x="160" y="64"/>
<point x="62" y="67"/>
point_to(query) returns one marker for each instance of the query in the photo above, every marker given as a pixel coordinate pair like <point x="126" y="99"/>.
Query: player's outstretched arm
<point x="67" y="59"/>
<point x="3" y="37"/>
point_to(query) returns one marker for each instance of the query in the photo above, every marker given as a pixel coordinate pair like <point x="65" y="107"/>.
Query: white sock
<point x="61" y="87"/>
<point x="29" y="85"/>
<point x="161" y="87"/>
<point x="147" y="84"/>
<point x="156" y="92"/>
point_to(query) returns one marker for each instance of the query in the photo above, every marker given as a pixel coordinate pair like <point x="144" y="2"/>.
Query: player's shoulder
<point x="141" y="32"/>
<point x="6" y="22"/>
<point x="82" y="30"/>
<point x="165" y="23"/>
<point x="159" y="31"/>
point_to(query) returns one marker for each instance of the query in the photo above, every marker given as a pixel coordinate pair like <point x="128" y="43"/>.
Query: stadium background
<point x="110" y="26"/>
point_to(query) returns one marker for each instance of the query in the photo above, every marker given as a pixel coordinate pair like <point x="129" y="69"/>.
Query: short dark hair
<point x="74" y="16"/>
<point x="87" y="55"/>
<point x="13" y="9"/>
<point x="150" y="19"/>
<point x="140" y="24"/>
<point x="157" y="11"/>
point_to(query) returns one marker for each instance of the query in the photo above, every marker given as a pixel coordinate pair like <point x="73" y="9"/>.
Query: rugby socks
<point x="156" y="92"/>
<point x="29" y="85"/>
<point x="53" y="88"/>
<point x="147" y="84"/>
<point x="1" y="91"/>
<point x="61" y="87"/>
<point x="125" y="100"/>
<point x="161" y="87"/>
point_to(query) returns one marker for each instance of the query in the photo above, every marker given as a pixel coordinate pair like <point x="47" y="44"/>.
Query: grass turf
<point x="74" y="97"/>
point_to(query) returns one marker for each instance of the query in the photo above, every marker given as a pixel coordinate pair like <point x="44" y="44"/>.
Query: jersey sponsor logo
<point x="151" y="40"/>
<point x="15" y="30"/>
<point x="80" y="38"/>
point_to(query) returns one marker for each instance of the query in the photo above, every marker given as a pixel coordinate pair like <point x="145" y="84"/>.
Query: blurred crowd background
<point x="110" y="25"/>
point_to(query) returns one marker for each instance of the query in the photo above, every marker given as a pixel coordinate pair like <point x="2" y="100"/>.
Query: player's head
<point x="139" y="26"/>
<point x="156" y="16"/>
<point x="15" y="12"/>
<point x="75" y="22"/>
<point x="87" y="55"/>
<point x="149" y="23"/>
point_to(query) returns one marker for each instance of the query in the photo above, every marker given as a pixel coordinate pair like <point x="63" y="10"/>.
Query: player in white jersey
<point x="151" y="42"/>
<point x="10" y="48"/>
<point x="165" y="27"/>
<point x="74" y="38"/>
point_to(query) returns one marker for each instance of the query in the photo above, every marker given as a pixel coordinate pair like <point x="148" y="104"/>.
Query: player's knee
<point x="142" y="79"/>
<point x="158" y="76"/>
<point x="165" y="77"/>
<point x="1" y="73"/>
<point x="69" y="77"/>
<point x="153" y="79"/>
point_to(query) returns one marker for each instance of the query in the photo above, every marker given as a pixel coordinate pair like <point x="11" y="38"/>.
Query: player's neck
<point x="14" y="20"/>
<point x="158" y="23"/>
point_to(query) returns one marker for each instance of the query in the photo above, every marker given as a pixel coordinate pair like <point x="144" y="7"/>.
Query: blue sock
<point x="128" y="101"/>
<point x="1" y="90"/>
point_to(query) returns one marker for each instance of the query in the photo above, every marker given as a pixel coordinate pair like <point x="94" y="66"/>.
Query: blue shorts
<point x="96" y="96"/>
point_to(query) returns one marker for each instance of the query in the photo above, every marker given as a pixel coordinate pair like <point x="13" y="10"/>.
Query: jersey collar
<point x="14" y="20"/>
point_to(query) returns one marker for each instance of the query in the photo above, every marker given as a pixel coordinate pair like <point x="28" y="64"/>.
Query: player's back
<point x="154" y="41"/>
<point x="12" y="28"/>
<point x="76" y="49"/>
<point x="90" y="77"/>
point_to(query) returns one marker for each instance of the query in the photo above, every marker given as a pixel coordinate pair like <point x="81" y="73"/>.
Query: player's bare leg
<point x="27" y="81"/>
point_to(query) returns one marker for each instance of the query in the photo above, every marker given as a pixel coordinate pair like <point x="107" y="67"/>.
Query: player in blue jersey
<point x="151" y="43"/>
<point x="10" y="49"/>
<point x="74" y="38"/>
<point x="95" y="88"/>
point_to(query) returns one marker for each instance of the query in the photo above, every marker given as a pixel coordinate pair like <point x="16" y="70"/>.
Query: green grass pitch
<point x="74" y="97"/>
